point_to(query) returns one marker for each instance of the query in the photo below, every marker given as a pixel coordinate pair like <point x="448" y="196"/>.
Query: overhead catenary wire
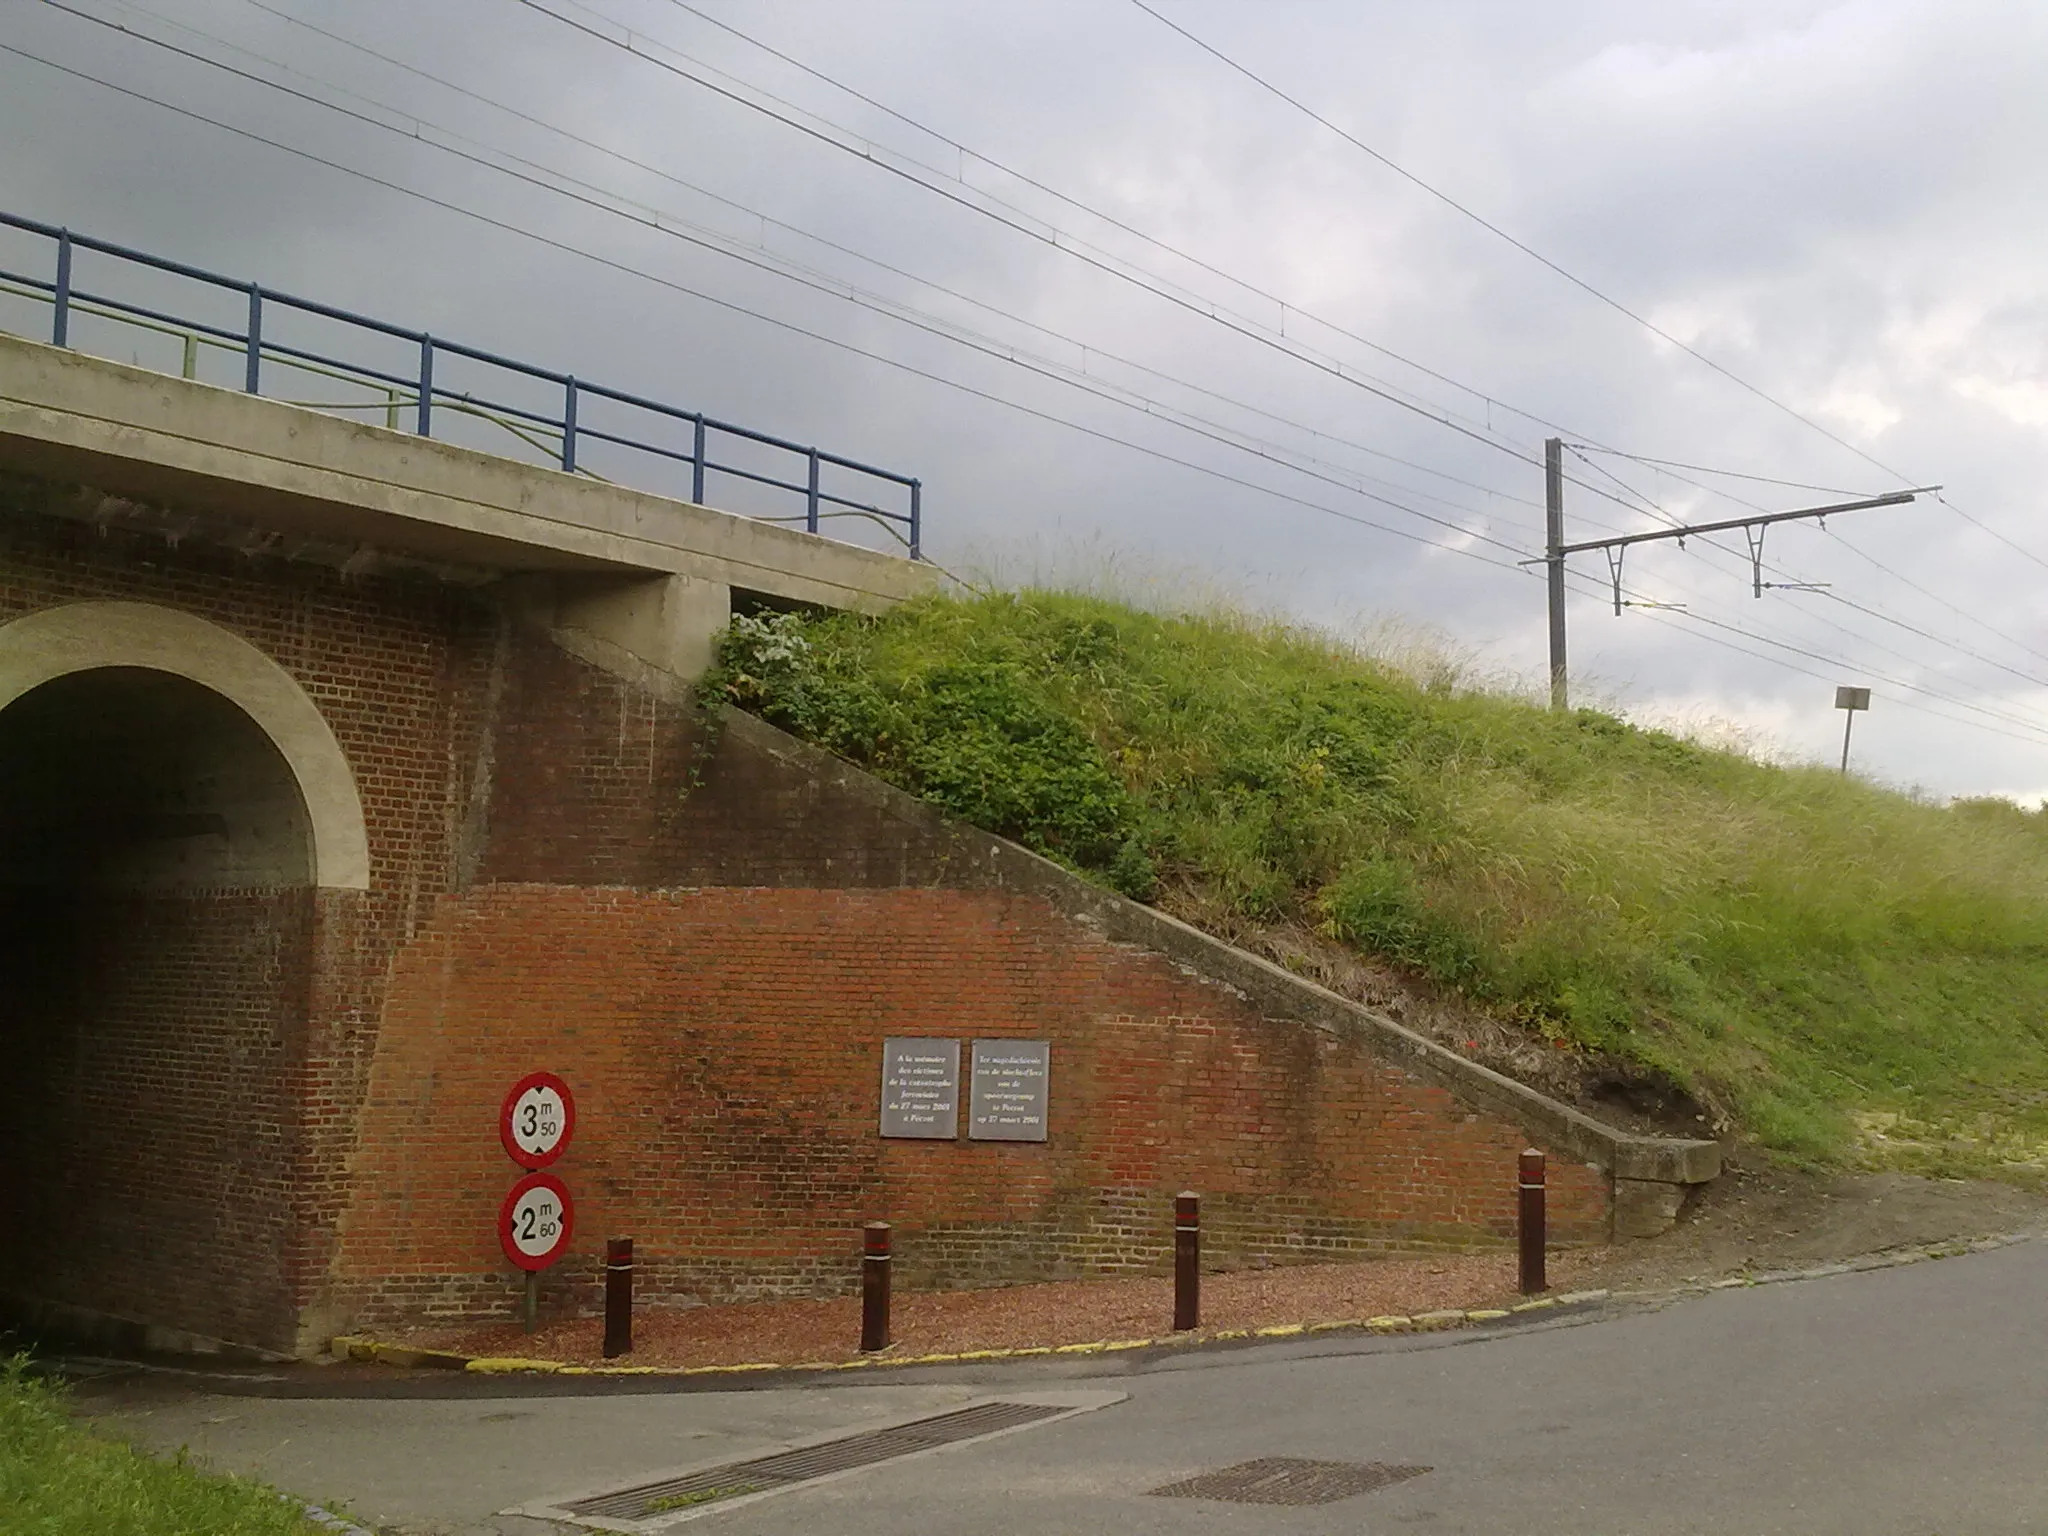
<point x="548" y="180"/>
<point x="732" y="306"/>
<point x="871" y="153"/>
<point x="1569" y="276"/>
<point x="1707" y="469"/>
<point x="444" y="203"/>
<point x="1051" y="237"/>
<point x="1088" y="348"/>
<point x="1845" y="542"/>
<point x="966" y="152"/>
<point x="1089" y="351"/>
<point x="1198" y="425"/>
<point x="1380" y="389"/>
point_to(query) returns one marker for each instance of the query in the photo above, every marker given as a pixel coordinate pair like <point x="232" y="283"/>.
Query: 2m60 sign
<point x="537" y="1218"/>
<point x="536" y="1221"/>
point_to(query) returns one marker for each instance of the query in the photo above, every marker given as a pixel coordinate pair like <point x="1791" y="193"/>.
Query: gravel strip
<point x="1020" y="1317"/>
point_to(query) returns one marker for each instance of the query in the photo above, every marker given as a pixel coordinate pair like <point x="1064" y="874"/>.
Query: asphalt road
<point x="1899" y="1402"/>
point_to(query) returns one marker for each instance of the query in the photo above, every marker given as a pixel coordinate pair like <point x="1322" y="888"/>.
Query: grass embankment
<point x="1811" y="955"/>
<point x="59" y="1479"/>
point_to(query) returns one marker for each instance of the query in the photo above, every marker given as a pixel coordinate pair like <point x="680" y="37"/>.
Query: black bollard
<point x="618" y="1297"/>
<point x="1187" y="1261"/>
<point x="874" y="1287"/>
<point x="1531" y="1222"/>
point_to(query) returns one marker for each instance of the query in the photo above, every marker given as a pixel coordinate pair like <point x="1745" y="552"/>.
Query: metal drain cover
<point x="1289" y="1480"/>
<point x="655" y="1503"/>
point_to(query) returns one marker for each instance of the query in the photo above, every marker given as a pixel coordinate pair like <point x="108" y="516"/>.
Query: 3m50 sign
<point x="537" y="1217"/>
<point x="1008" y="1086"/>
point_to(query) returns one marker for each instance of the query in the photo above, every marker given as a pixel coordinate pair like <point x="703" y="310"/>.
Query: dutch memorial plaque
<point x="1008" y="1094"/>
<point x="921" y="1088"/>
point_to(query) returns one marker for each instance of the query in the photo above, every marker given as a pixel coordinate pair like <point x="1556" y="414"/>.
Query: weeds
<point x="1797" y="947"/>
<point x="59" y="1479"/>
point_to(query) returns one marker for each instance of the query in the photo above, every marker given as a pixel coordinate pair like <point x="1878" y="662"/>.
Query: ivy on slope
<point x="1818" y="955"/>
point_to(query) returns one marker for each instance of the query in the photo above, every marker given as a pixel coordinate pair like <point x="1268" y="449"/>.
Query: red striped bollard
<point x="1187" y="1261"/>
<point x="618" y="1297"/>
<point x="1531" y="1222"/>
<point x="874" y="1287"/>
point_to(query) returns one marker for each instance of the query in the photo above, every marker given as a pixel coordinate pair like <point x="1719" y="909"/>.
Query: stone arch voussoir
<point x="53" y="642"/>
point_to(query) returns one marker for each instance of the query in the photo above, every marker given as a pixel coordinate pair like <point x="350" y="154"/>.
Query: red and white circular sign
<point x="536" y="1221"/>
<point x="537" y="1119"/>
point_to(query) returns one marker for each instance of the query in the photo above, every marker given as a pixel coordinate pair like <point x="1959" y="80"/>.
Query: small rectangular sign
<point x="1011" y="1083"/>
<point x="921" y="1087"/>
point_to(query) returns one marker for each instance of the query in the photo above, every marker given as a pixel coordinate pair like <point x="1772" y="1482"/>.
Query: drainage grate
<point x="1288" y="1480"/>
<point x="735" y="1478"/>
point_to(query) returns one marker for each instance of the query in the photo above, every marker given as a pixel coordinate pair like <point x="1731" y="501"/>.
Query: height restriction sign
<point x="536" y="1221"/>
<point x="538" y="1117"/>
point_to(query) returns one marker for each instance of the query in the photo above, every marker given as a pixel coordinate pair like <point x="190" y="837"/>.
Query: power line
<point x="2032" y="738"/>
<point x="868" y="150"/>
<point x="966" y="152"/>
<point x="1087" y="349"/>
<point x="1853" y="635"/>
<point x="1050" y="236"/>
<point x="1571" y="277"/>
<point x="1204" y="428"/>
<point x="1704" y="469"/>
<point x="1045" y="416"/>
<point x="1048" y="368"/>
<point x="1059" y="239"/>
<point x="753" y="314"/>
<point x="1840" y="538"/>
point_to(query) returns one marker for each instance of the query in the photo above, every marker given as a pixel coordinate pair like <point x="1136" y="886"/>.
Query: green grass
<point x="1813" y="956"/>
<point x="59" y="1479"/>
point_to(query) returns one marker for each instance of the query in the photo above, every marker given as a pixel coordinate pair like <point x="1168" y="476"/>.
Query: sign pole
<point x="1849" y="700"/>
<point x="535" y="1123"/>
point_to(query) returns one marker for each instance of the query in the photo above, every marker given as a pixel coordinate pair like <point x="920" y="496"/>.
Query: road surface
<point x="1899" y="1402"/>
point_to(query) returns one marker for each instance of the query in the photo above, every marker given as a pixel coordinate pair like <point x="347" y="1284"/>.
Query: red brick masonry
<point x="709" y="935"/>
<point x="725" y="1047"/>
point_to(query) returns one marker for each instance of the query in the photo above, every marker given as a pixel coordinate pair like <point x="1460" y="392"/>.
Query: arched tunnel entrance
<point x="156" y="872"/>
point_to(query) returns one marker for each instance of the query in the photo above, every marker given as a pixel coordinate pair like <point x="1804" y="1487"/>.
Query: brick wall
<point x="709" y="933"/>
<point x="247" y="1017"/>
<point x="148" y="1137"/>
<point x="725" y="1047"/>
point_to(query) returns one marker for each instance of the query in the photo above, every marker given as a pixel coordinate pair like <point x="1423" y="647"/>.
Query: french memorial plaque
<point x="1008" y="1096"/>
<point x="921" y="1088"/>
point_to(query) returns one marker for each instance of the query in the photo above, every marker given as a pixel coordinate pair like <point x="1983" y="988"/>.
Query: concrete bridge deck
<point x="651" y="574"/>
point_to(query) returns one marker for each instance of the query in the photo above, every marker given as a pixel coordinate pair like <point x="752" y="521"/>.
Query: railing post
<point x="916" y="519"/>
<point x="426" y="401"/>
<point x="569" y="426"/>
<point x="618" y="1297"/>
<point x="252" y="380"/>
<point x="1187" y="1261"/>
<point x="191" y="368"/>
<point x="811" y="513"/>
<point x="1531" y="1222"/>
<point x="697" y="466"/>
<point x="60" y="321"/>
<point x="874" y="1287"/>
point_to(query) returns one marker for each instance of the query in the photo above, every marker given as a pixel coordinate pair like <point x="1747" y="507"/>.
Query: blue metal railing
<point x="559" y="437"/>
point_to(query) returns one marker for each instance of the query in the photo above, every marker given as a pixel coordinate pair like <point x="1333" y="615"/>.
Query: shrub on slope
<point x="1813" y="953"/>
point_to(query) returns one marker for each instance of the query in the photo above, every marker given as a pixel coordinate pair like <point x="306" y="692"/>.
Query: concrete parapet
<point x="264" y="465"/>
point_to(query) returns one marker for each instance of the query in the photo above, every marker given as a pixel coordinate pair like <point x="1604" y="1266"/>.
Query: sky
<point x="1138" y="322"/>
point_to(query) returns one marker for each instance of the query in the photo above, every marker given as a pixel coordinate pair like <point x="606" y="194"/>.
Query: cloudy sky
<point x="1135" y="319"/>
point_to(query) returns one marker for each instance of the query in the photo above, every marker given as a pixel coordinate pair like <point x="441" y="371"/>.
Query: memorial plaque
<point x="921" y="1088"/>
<point x="1008" y="1096"/>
